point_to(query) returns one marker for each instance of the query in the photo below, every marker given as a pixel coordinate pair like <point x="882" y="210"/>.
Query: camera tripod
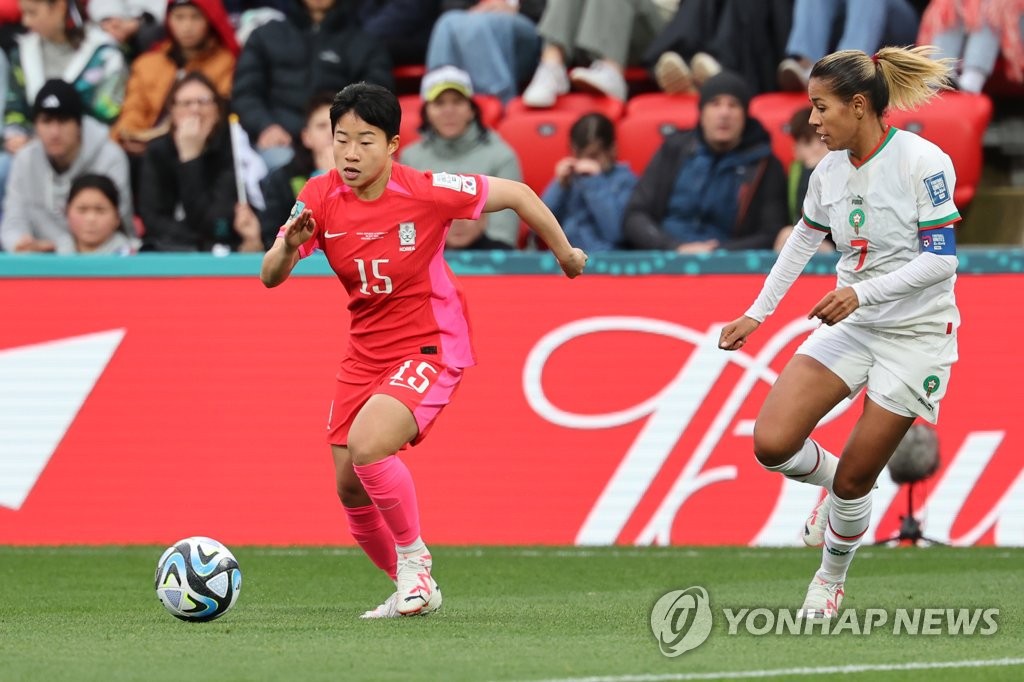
<point x="910" y="527"/>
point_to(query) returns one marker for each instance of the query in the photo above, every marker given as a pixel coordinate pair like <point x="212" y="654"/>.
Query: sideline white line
<point x="779" y="672"/>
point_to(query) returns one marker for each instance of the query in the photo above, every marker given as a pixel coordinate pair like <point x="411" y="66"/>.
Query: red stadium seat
<point x="649" y="119"/>
<point x="407" y="78"/>
<point x="773" y="110"/>
<point x="578" y="103"/>
<point x="491" y="111"/>
<point x="539" y="139"/>
<point x="956" y="122"/>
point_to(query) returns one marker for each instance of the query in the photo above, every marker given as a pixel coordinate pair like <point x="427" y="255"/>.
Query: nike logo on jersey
<point x="332" y="235"/>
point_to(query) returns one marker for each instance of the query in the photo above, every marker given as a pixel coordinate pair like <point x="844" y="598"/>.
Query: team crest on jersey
<point x="857" y="219"/>
<point x="931" y="384"/>
<point x="938" y="190"/>
<point x="406" y="236"/>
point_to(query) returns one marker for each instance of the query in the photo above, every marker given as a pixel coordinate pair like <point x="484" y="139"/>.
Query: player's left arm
<point x="524" y="201"/>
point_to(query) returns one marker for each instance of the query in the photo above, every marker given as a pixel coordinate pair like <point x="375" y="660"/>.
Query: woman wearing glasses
<point x="188" y="198"/>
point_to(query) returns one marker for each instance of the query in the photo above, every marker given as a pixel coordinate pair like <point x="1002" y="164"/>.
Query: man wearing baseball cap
<point x="67" y="144"/>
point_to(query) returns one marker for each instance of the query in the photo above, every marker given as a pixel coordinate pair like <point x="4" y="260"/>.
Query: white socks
<point x="847" y="522"/>
<point x="811" y="464"/>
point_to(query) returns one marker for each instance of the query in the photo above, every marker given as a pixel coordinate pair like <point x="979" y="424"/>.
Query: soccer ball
<point x="198" y="579"/>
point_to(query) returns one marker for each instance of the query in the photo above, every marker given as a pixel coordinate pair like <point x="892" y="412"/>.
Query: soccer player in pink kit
<point x="382" y="226"/>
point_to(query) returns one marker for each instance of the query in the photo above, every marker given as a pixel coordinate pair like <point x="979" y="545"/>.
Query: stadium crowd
<point x="191" y="125"/>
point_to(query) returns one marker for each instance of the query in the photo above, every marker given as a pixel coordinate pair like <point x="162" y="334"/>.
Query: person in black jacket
<point x="188" y="198"/>
<point x="283" y="63"/>
<point x="715" y="187"/>
<point x="314" y="155"/>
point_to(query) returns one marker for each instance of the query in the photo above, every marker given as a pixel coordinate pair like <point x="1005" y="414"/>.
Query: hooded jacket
<point x="37" y="195"/>
<point x="154" y="73"/>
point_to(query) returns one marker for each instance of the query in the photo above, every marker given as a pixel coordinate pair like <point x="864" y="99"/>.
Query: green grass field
<point x="510" y="614"/>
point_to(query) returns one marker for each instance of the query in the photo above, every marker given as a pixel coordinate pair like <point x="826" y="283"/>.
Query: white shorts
<point x="907" y="375"/>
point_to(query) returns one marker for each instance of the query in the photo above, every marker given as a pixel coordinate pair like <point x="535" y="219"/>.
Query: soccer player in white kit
<point x="886" y="197"/>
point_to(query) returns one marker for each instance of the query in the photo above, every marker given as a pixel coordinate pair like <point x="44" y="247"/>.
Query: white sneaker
<point x="817" y="522"/>
<point x="704" y="67"/>
<point x="549" y="81"/>
<point x="672" y="74"/>
<point x="793" y="74"/>
<point x="413" y="583"/>
<point x="822" y="601"/>
<point x="600" y="77"/>
<point x="389" y="609"/>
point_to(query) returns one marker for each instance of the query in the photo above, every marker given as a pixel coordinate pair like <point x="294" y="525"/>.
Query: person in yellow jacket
<point x="200" y="38"/>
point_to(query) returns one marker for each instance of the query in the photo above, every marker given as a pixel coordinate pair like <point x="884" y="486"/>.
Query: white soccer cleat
<point x="389" y="609"/>
<point x="414" y="583"/>
<point x="817" y="522"/>
<point x="822" y="601"/>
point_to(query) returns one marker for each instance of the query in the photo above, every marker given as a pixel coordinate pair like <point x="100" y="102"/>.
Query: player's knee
<point x="772" y="448"/>
<point x="366" y="449"/>
<point x="351" y="492"/>
<point x="848" y="486"/>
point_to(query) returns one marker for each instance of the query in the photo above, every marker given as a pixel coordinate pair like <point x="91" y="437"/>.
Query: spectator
<point x="135" y="24"/>
<point x="60" y="44"/>
<point x="188" y="196"/>
<point x="284" y="63"/>
<point x="747" y="37"/>
<point x="93" y="217"/>
<point x="314" y="155"/>
<point x="606" y="31"/>
<point x="200" y="38"/>
<point x="808" y="150"/>
<point x="590" y="190"/>
<point x="67" y="144"/>
<point x="974" y="32"/>
<point x="403" y="26"/>
<point x="717" y="186"/>
<point x="865" y="25"/>
<point x="494" y="41"/>
<point x="455" y="140"/>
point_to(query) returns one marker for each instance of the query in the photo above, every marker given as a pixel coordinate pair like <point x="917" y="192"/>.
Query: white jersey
<point x="874" y="211"/>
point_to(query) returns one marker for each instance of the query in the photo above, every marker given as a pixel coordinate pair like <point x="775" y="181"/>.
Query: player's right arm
<point x="284" y="254"/>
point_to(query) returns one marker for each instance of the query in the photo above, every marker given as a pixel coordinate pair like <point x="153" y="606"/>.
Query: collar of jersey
<point x="886" y="136"/>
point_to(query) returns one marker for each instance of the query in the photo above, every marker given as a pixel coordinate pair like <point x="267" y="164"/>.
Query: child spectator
<point x="314" y="155"/>
<point x="808" y="150"/>
<point x="93" y="217"/>
<point x="67" y="144"/>
<point x="591" y="189"/>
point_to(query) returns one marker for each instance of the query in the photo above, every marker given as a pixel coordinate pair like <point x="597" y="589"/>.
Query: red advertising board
<point x="143" y="410"/>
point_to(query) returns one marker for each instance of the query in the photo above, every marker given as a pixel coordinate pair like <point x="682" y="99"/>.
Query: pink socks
<point x="389" y="484"/>
<point x="369" y="530"/>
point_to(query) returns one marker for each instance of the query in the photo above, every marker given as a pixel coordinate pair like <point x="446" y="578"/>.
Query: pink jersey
<point x="389" y="255"/>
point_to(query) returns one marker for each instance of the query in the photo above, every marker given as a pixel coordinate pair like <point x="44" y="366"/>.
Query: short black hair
<point x="375" y="104"/>
<point x="799" y="126"/>
<point x="96" y="181"/>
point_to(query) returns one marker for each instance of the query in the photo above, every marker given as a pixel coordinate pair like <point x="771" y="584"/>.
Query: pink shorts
<point x="419" y="382"/>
